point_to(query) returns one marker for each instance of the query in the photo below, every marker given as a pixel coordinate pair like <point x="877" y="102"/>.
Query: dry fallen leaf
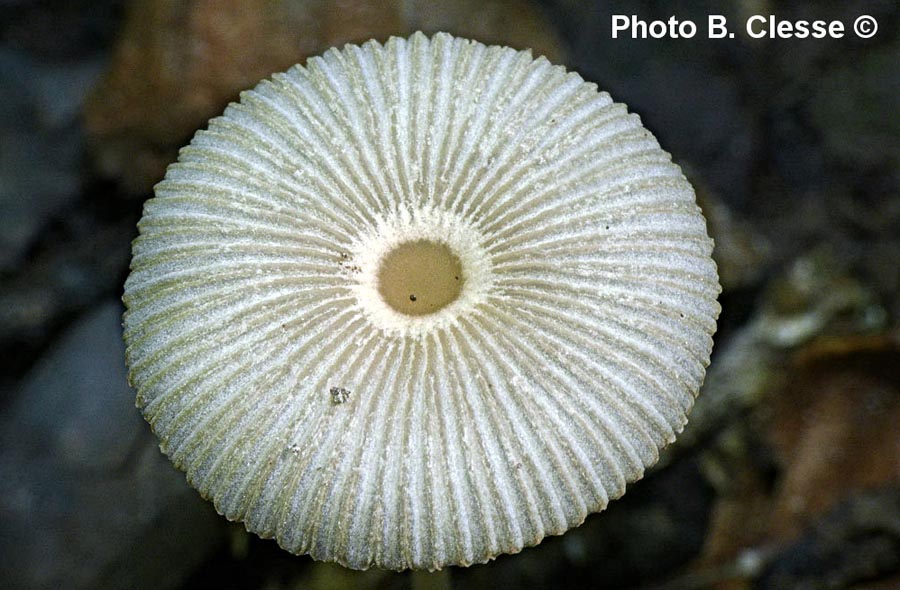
<point x="832" y="430"/>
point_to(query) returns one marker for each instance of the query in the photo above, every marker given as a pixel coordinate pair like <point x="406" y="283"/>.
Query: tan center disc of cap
<point x="418" y="278"/>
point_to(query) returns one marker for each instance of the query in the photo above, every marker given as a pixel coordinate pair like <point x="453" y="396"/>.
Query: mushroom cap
<point x="293" y="396"/>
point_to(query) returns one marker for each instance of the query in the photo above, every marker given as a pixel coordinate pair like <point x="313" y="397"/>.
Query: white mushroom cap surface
<point x="301" y="401"/>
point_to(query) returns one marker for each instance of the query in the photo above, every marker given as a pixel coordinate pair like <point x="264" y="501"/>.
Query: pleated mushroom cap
<point x="419" y="304"/>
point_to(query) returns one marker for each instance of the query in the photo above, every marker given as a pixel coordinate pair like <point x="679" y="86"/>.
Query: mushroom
<point x="419" y="304"/>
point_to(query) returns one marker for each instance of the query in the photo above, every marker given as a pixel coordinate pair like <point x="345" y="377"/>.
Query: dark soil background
<point x="788" y="475"/>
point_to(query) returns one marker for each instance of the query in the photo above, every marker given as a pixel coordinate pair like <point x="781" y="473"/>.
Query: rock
<point x="86" y="498"/>
<point x="81" y="261"/>
<point x="59" y="31"/>
<point x="40" y="145"/>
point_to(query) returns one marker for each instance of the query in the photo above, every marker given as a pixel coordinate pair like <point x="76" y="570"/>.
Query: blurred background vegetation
<point x="788" y="475"/>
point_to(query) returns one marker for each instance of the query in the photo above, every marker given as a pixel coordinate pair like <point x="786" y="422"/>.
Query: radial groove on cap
<point x="570" y="358"/>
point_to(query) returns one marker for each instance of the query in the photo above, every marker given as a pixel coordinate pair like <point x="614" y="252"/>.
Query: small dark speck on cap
<point x="339" y="395"/>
